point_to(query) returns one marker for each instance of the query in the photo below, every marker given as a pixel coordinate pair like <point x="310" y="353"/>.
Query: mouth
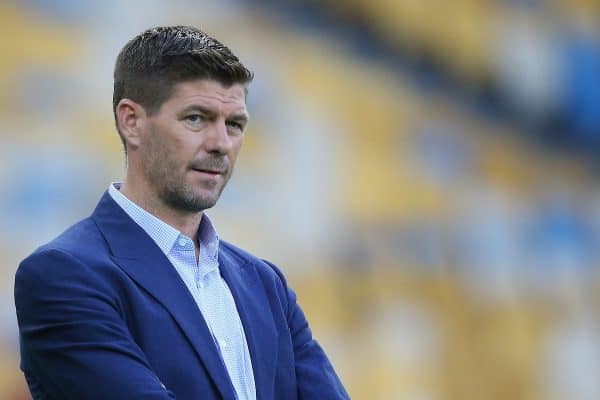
<point x="208" y="172"/>
<point x="209" y="168"/>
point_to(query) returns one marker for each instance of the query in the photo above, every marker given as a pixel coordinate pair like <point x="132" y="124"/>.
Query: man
<point x="142" y="300"/>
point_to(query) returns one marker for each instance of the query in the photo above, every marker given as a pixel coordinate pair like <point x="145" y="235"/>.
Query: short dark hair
<point x="152" y="63"/>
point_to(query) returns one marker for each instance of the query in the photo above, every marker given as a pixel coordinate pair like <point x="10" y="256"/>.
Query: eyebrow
<point x="238" y="117"/>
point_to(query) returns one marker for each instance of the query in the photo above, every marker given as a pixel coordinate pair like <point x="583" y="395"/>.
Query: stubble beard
<point x="177" y="194"/>
<point x="172" y="190"/>
<point x="181" y="196"/>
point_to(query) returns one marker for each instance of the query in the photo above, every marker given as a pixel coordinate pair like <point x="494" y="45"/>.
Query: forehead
<point x="208" y="93"/>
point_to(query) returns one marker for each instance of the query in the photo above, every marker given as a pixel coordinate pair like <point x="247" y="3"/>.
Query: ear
<point x="131" y="118"/>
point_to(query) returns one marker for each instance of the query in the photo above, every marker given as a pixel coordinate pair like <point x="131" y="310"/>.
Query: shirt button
<point x="182" y="242"/>
<point x="223" y="344"/>
<point x="201" y="284"/>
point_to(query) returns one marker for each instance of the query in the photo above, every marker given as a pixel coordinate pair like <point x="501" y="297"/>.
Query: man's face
<point x="192" y="142"/>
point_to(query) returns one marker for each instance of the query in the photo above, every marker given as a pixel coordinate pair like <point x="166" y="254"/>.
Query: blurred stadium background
<point x="425" y="172"/>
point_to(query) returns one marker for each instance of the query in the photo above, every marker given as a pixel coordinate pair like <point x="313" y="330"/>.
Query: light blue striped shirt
<point x="204" y="281"/>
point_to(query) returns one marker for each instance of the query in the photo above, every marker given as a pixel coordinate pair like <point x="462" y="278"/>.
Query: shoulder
<point x="76" y="265"/>
<point x="76" y="239"/>
<point x="246" y="259"/>
<point x="81" y="244"/>
<point x="270" y="276"/>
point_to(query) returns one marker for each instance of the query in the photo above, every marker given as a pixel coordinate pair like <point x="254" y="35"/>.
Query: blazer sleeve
<point x="315" y="376"/>
<point x="74" y="343"/>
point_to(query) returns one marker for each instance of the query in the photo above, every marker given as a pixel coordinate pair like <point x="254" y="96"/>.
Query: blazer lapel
<point x="137" y="254"/>
<point x="254" y="310"/>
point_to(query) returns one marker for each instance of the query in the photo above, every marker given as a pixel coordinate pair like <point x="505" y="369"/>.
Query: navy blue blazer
<point x="103" y="315"/>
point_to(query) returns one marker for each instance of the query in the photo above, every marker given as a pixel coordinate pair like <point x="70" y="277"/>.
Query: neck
<point x="185" y="222"/>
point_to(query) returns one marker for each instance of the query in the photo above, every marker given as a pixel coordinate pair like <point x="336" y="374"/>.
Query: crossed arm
<point x="74" y="343"/>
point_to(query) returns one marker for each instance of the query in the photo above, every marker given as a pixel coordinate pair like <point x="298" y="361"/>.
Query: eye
<point x="194" y="118"/>
<point x="235" y="125"/>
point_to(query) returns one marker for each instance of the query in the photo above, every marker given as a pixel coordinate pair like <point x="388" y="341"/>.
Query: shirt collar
<point x="208" y="238"/>
<point x="163" y="234"/>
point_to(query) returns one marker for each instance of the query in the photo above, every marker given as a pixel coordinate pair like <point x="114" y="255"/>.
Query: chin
<point x="189" y="201"/>
<point x="206" y="202"/>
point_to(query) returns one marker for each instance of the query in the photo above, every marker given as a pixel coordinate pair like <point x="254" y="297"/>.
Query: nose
<point x="217" y="139"/>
